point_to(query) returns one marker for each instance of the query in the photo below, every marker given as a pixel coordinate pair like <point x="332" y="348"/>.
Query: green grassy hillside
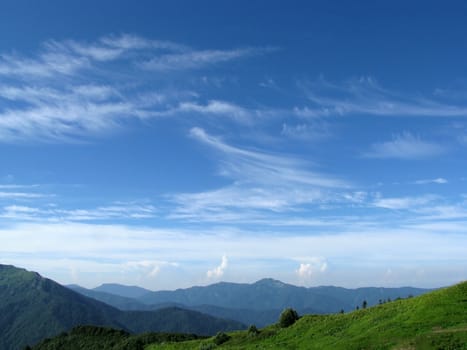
<point x="437" y="320"/>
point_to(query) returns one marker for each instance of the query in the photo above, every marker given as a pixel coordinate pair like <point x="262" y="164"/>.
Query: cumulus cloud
<point x="312" y="266"/>
<point x="219" y="270"/>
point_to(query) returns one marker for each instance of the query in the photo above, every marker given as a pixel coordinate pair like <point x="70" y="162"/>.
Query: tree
<point x="288" y="317"/>
<point x="253" y="330"/>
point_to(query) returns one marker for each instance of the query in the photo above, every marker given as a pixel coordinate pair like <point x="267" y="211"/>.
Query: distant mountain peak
<point x="270" y="282"/>
<point x="122" y="290"/>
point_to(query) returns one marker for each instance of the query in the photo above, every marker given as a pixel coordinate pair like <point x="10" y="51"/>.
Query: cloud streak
<point x="55" y="214"/>
<point x="405" y="146"/>
<point x="261" y="181"/>
<point x="199" y="59"/>
<point x="73" y="90"/>
<point x="365" y="96"/>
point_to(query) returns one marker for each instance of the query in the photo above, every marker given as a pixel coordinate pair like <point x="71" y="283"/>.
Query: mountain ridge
<point x="258" y="303"/>
<point x="33" y="307"/>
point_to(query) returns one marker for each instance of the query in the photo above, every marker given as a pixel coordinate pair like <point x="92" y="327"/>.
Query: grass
<point x="437" y="320"/>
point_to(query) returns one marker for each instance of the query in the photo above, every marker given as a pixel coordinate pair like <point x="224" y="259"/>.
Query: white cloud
<point x="311" y="267"/>
<point x="366" y="96"/>
<point x="261" y="181"/>
<point x="197" y="59"/>
<point x="438" y="180"/>
<point x="242" y="164"/>
<point x="353" y="249"/>
<point x="67" y="92"/>
<point x="148" y="268"/>
<point x="216" y="108"/>
<point x="399" y="203"/>
<point x="306" y="131"/>
<point x="219" y="270"/>
<point x="57" y="214"/>
<point x="404" y="146"/>
<point x="20" y="195"/>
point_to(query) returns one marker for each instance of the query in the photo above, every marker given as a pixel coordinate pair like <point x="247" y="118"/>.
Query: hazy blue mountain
<point x="122" y="303"/>
<point x="269" y="294"/>
<point x="259" y="303"/>
<point x="258" y="317"/>
<point x="122" y="290"/>
<point x="33" y="307"/>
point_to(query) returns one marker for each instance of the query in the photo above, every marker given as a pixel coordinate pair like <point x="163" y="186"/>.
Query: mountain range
<point x="33" y="307"/>
<point x="259" y="303"/>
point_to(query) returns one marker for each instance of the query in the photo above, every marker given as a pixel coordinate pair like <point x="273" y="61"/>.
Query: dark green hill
<point x="33" y="307"/>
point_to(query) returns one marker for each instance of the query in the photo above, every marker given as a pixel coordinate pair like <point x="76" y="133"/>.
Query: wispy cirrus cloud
<point x="404" y="146"/>
<point x="365" y="96"/>
<point x="261" y="181"/>
<point x="316" y="130"/>
<point x="402" y="203"/>
<point x="69" y="56"/>
<point x="199" y="58"/>
<point x="438" y="180"/>
<point x="20" y="195"/>
<point x="246" y="165"/>
<point x="57" y="214"/>
<point x="215" y="107"/>
<point x="71" y="90"/>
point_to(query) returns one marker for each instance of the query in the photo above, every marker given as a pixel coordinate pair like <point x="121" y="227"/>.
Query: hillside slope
<point x="437" y="320"/>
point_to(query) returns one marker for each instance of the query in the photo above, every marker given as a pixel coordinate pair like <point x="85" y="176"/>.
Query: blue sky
<point x="167" y="144"/>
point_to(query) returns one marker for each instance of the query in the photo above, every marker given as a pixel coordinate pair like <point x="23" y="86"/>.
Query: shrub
<point x="221" y="338"/>
<point x="288" y="317"/>
<point x="207" y="346"/>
